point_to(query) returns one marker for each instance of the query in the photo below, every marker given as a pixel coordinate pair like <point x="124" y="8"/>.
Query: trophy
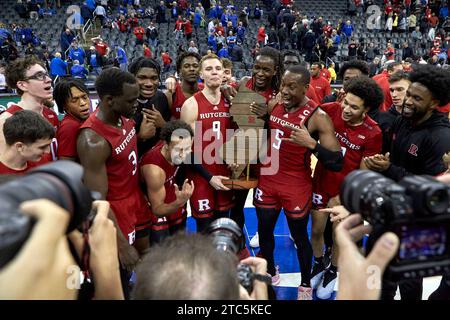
<point x="244" y="146"/>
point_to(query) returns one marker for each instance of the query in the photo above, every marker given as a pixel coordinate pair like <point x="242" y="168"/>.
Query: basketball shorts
<point x="205" y="199"/>
<point x="325" y="187"/>
<point x="294" y="196"/>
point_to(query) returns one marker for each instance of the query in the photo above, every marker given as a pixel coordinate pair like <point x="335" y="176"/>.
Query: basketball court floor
<point x="286" y="257"/>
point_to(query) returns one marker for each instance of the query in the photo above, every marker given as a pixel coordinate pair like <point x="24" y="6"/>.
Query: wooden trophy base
<point x="241" y="183"/>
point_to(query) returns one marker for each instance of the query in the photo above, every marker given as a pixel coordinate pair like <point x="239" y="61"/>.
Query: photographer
<point x="27" y="138"/>
<point x="419" y="139"/>
<point x="189" y="267"/>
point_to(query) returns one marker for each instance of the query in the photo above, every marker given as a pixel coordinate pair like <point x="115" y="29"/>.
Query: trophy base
<point x="241" y="184"/>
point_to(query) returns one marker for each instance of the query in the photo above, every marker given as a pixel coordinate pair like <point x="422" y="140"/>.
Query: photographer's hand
<point x="104" y="260"/>
<point x="359" y="276"/>
<point x="40" y="269"/>
<point x="259" y="266"/>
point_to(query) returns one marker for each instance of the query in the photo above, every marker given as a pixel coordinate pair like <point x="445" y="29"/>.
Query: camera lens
<point x="226" y="235"/>
<point x="437" y="201"/>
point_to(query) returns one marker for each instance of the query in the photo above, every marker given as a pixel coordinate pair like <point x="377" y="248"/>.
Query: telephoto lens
<point x="226" y="235"/>
<point x="59" y="182"/>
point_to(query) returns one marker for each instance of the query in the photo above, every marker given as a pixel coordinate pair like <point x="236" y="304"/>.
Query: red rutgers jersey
<point x="294" y="159"/>
<point x="285" y="181"/>
<point x="66" y="135"/>
<point x="210" y="131"/>
<point x="124" y="194"/>
<point x="155" y="157"/>
<point x="269" y="94"/>
<point x="51" y="117"/>
<point x="178" y="99"/>
<point x="7" y="170"/>
<point x="356" y="142"/>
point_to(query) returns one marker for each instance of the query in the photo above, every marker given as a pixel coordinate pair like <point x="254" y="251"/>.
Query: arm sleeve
<point x="197" y="167"/>
<point x="331" y="160"/>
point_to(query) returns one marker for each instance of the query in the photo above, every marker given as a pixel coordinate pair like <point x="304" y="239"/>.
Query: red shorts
<point x="205" y="199"/>
<point x="128" y="212"/>
<point x="137" y="203"/>
<point x="294" y="196"/>
<point x="325" y="187"/>
<point x="162" y="223"/>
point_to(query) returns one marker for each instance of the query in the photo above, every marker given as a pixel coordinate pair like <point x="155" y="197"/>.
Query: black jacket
<point x="419" y="149"/>
<point x="385" y="121"/>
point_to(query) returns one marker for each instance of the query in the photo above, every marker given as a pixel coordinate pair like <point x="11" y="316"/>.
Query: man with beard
<point x="419" y="139"/>
<point x="34" y="86"/>
<point x="295" y="120"/>
<point x="359" y="136"/>
<point x="162" y="171"/>
<point x="107" y="149"/>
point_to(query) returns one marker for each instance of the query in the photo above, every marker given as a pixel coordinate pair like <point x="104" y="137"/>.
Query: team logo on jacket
<point x="413" y="149"/>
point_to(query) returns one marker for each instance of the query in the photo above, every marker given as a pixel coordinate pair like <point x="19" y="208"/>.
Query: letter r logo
<point x="258" y="194"/>
<point x="203" y="205"/>
<point x="317" y="198"/>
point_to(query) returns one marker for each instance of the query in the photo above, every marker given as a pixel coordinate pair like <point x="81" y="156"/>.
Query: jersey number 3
<point x="132" y="157"/>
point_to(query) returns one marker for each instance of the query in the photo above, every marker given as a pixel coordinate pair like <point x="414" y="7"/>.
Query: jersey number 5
<point x="132" y="157"/>
<point x="277" y="142"/>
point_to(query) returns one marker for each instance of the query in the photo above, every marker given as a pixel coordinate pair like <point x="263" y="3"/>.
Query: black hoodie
<point x="419" y="149"/>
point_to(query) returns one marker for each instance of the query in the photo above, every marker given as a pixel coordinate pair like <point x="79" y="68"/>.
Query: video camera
<point x="417" y="210"/>
<point x="227" y="236"/>
<point x="59" y="182"/>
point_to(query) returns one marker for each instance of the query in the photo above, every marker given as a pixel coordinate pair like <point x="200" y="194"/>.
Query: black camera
<point x="227" y="236"/>
<point x="416" y="209"/>
<point x="59" y="182"/>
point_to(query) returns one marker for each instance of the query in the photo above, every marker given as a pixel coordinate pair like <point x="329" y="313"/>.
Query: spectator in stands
<point x="389" y="53"/>
<point x="101" y="46"/>
<point x="407" y="51"/>
<point x="417" y="37"/>
<point x="100" y="13"/>
<point x="77" y="53"/>
<point x="21" y="9"/>
<point x="86" y="13"/>
<point x="67" y="37"/>
<point x="240" y="32"/>
<point x="374" y="67"/>
<point x="58" y="67"/>
<point x="121" y="57"/>
<point x="352" y="49"/>
<point x="412" y="22"/>
<point x="261" y="36"/>
<point x="94" y="60"/>
<point x="257" y="12"/>
<point x="223" y="52"/>
<point x="220" y="40"/>
<point x="174" y="11"/>
<point x="347" y="30"/>
<point x="309" y="42"/>
<point x="152" y="35"/>
<point x="192" y="47"/>
<point x="147" y="51"/>
<point x="78" y="70"/>
<point x="178" y="30"/>
<point x="160" y="11"/>
<point x="2" y="78"/>
<point x="332" y="72"/>
<point x="139" y="32"/>
<point x="133" y="21"/>
<point x="187" y="26"/>
<point x="389" y="24"/>
<point x="371" y="52"/>
<point x="212" y="42"/>
<point x="167" y="61"/>
<point x="122" y="24"/>
<point x="237" y="53"/>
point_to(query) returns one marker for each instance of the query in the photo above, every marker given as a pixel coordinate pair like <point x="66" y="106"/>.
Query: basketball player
<point x="28" y="137"/>
<point x="208" y="114"/>
<point x="107" y="148"/>
<point x="161" y="170"/>
<point x="72" y="98"/>
<point x="34" y="86"/>
<point x="359" y="136"/>
<point x="290" y="187"/>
